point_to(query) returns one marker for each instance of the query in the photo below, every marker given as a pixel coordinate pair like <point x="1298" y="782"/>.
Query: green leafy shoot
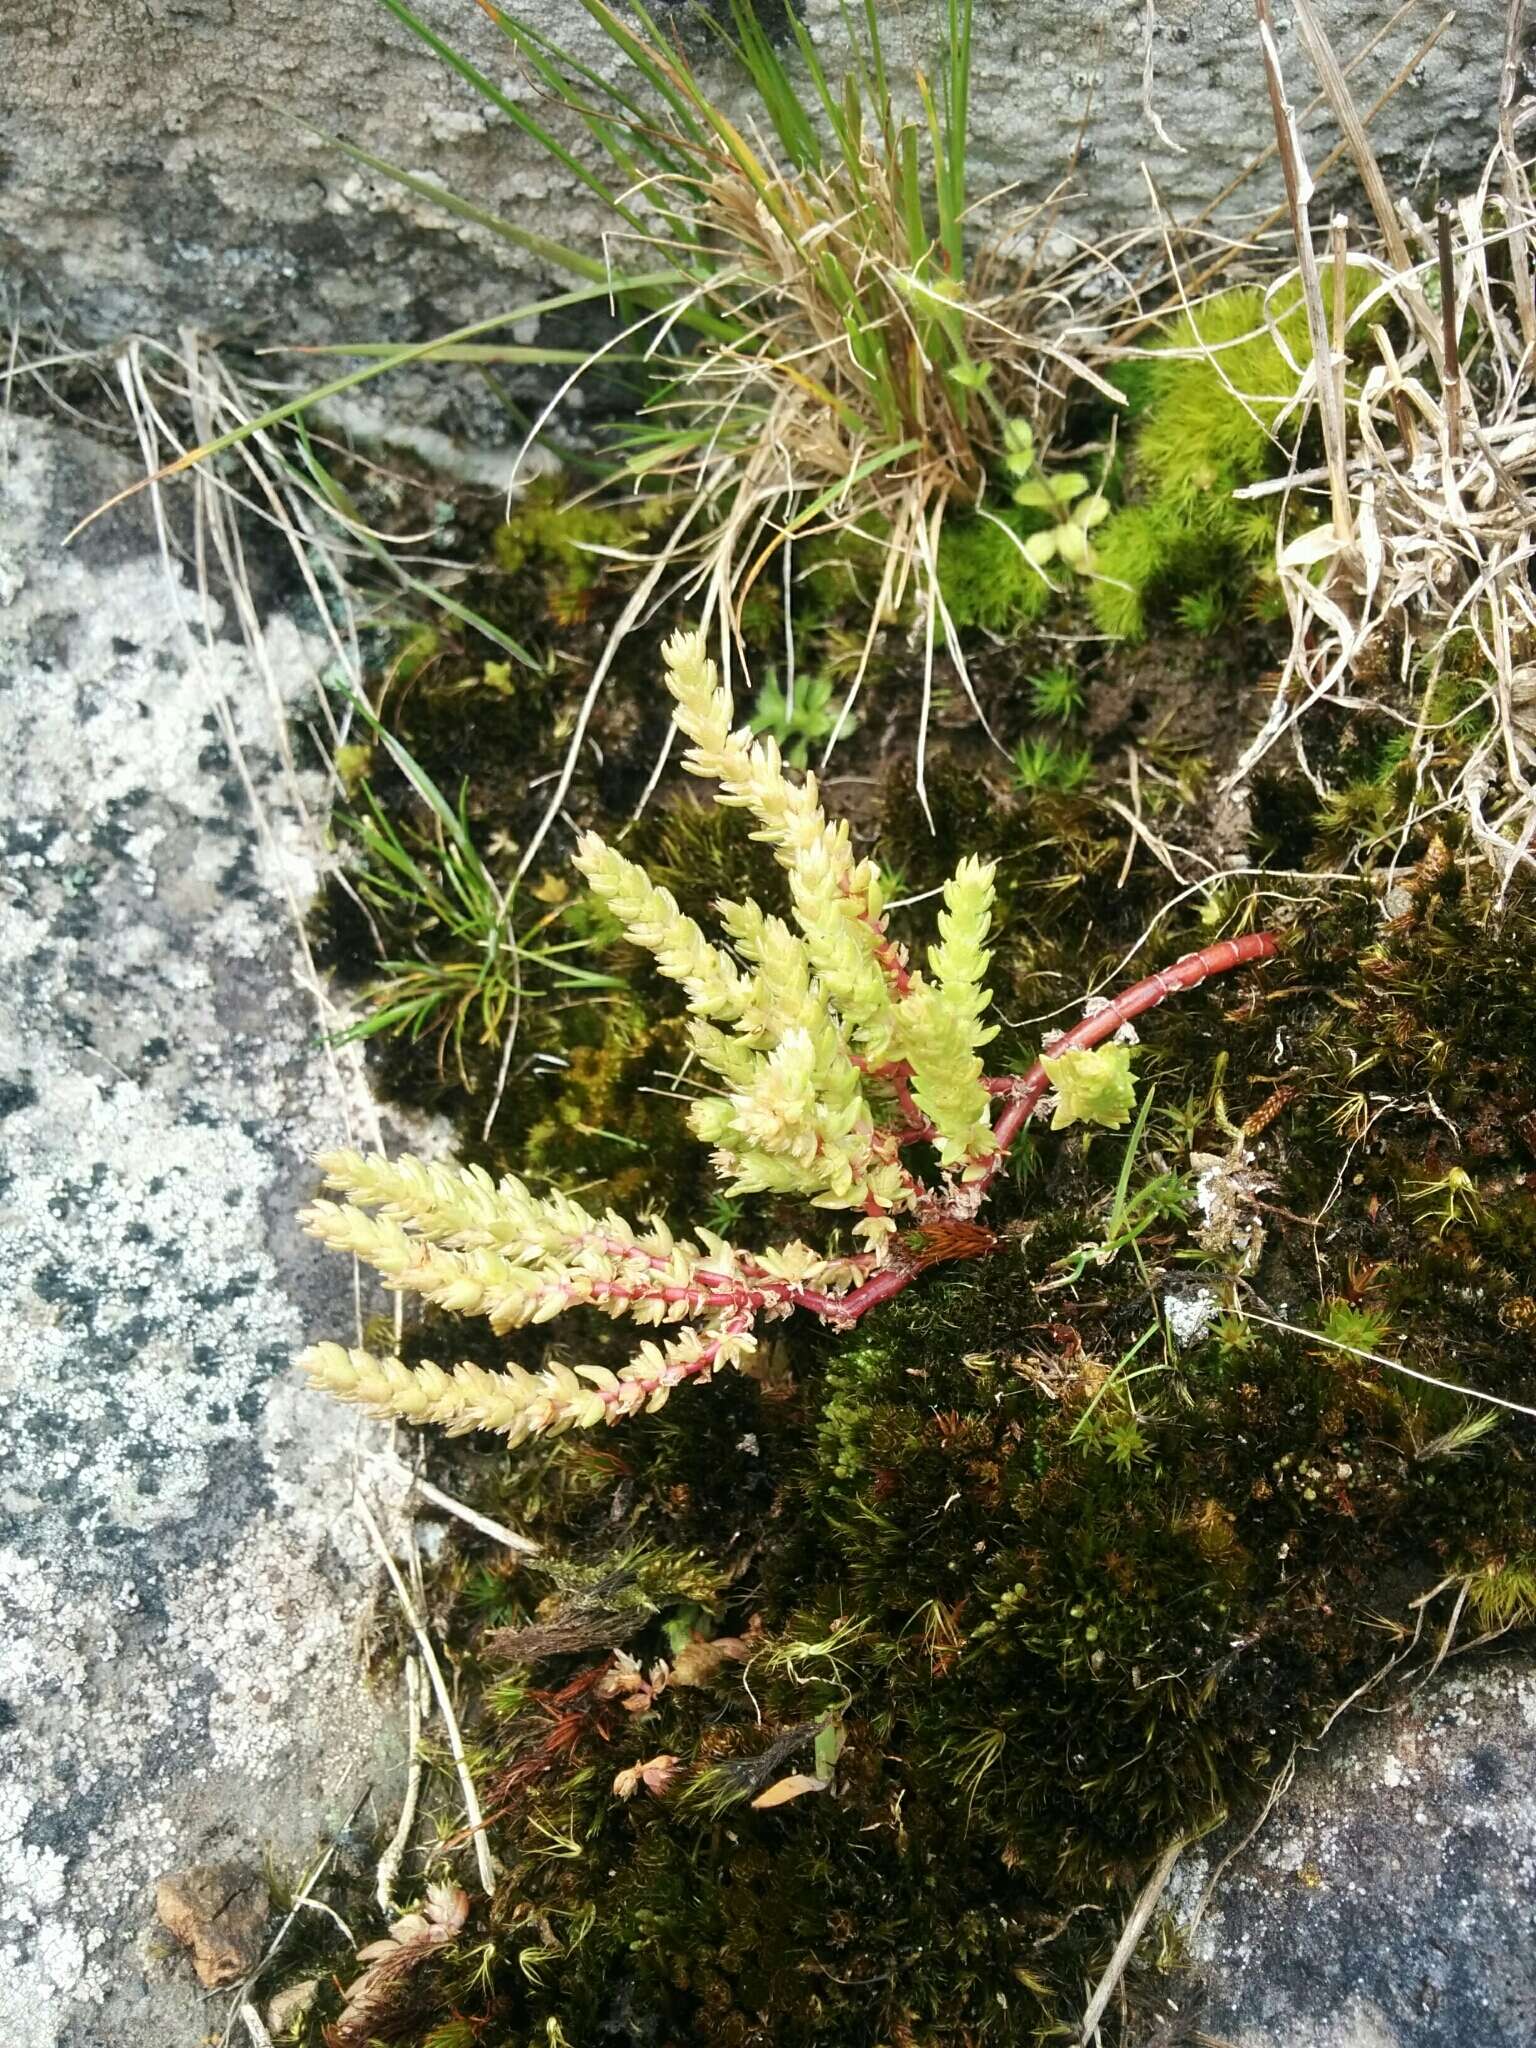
<point x="1109" y="1423"/>
<point x="834" y="1051"/>
<point x="1503" y="1594"/>
<point x="1469" y="1429"/>
<point x="1357" y="1327"/>
<point x="797" y="719"/>
<point x="1163" y="1198"/>
<point x="1056" y="693"/>
<point x="973" y="1757"/>
<point x="1202" y="611"/>
<point x="1048" y="764"/>
<point x="1073" y="507"/>
<point x="1094" y="1087"/>
<point x="474" y="969"/>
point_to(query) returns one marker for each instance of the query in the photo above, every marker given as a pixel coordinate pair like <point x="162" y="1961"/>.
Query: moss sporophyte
<point x="834" y="1056"/>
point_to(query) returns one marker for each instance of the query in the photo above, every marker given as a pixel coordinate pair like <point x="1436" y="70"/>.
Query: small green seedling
<point x="1074" y="507"/>
<point x="798" y="717"/>
<point x="1056" y="693"/>
<point x="1046" y="764"/>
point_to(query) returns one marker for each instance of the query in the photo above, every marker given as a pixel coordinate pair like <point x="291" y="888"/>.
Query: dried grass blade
<point x="1517" y="194"/>
<point x="1342" y="105"/>
<point x="1298" y="187"/>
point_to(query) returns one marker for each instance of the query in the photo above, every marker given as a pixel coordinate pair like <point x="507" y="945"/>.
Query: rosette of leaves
<point x="1073" y="507"/>
<point x="798" y="717"/>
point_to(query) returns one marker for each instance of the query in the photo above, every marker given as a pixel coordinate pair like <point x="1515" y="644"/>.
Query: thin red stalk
<point x="888" y="955"/>
<point x="887" y="952"/>
<point x="752" y="1273"/>
<point x="740" y="1295"/>
<point x="917" y="1125"/>
<point x="674" y="1373"/>
<point x="1184" y="974"/>
<point x="1027" y="1093"/>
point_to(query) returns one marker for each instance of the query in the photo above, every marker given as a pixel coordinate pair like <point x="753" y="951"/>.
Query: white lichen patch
<point x="178" y="1586"/>
<point x="1190" y="1314"/>
<point x="1227" y="1186"/>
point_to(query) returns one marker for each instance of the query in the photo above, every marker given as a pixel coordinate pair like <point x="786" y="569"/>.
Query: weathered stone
<point x="291" y="2003"/>
<point x="178" y="1587"/>
<point x="160" y="168"/>
<point x="1390" y="1900"/>
<point x="218" y="1911"/>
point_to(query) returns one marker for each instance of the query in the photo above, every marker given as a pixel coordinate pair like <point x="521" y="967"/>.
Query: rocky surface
<point x="219" y="1913"/>
<point x="161" y="163"/>
<point x="179" y="1582"/>
<point x="1390" y="1900"/>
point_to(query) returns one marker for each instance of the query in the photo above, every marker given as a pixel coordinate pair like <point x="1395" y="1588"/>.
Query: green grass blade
<point x="876" y="49"/>
<point x="952" y="171"/>
<point x="412" y="770"/>
<point x="440" y="599"/>
<point x="911" y="197"/>
<point x="558" y="254"/>
<point x="787" y="111"/>
<point x="410" y="352"/>
<point x="630" y="135"/>
<point x="464" y="352"/>
<point x="557" y="66"/>
<point x="517" y="115"/>
<point x="659" y="69"/>
<point x="1133" y="1145"/>
<point x="867" y="468"/>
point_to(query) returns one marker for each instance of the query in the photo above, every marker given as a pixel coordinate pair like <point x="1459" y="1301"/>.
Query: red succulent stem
<point x="1145" y="995"/>
<point x="1028" y="1091"/>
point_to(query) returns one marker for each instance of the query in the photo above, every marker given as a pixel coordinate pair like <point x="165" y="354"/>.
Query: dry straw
<point x="1430" y="461"/>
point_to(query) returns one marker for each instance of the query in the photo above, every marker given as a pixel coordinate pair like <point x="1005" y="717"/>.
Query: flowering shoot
<point x="835" y="1059"/>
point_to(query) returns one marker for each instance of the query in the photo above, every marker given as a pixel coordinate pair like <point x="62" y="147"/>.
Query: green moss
<point x="985" y="577"/>
<point x="563" y="539"/>
<point x="1207" y="415"/>
<point x="1055" y="1590"/>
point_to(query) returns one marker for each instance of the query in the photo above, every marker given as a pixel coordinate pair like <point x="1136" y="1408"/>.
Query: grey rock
<point x="291" y="2004"/>
<point x="160" y="169"/>
<point x="179" y="1582"/>
<point x="1390" y="1900"/>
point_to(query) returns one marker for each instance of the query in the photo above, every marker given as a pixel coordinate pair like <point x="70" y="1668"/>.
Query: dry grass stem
<point x="1298" y="191"/>
<point x="399" y="1842"/>
<point x="302" y="1897"/>
<point x="1430" y="446"/>
<point x="1394" y="85"/>
<point x="472" y="1810"/>
<point x="1411" y="1372"/>
<point x="510" y="1539"/>
<point x="252" y="2021"/>
<point x="1130" y="1935"/>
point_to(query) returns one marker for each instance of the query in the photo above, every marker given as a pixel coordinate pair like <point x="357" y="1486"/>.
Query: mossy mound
<point x="1205" y="415"/>
<point x="1055" y="1558"/>
<point x="1052" y="1561"/>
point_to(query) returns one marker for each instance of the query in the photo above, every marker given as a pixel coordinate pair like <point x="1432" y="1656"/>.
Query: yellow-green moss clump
<point x="1210" y="409"/>
<point x="568" y="542"/>
<point x="1209" y="413"/>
